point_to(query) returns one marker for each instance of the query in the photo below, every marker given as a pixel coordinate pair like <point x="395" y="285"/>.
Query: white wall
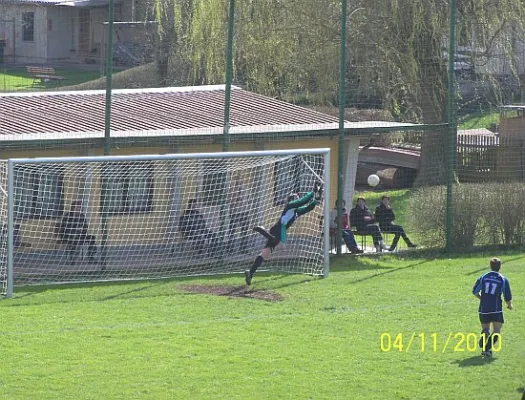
<point x="25" y="52"/>
<point x="7" y="34"/>
<point x="62" y="32"/>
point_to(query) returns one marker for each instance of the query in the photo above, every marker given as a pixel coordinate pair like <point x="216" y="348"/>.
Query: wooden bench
<point x="43" y="74"/>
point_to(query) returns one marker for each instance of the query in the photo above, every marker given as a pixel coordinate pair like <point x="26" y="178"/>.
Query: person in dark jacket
<point x="385" y="216"/>
<point x="193" y="227"/>
<point x="362" y="219"/>
<point x="73" y="231"/>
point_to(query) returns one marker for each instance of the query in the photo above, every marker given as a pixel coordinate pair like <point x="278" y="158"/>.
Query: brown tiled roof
<point x="184" y="111"/>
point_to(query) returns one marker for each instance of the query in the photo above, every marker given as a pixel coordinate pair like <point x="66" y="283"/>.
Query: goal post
<point x="6" y="283"/>
<point x="109" y="218"/>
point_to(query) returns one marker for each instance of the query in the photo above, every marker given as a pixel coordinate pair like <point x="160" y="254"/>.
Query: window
<point x="293" y="176"/>
<point x="128" y="189"/>
<point x="213" y="182"/>
<point x="28" y="26"/>
<point x="38" y="192"/>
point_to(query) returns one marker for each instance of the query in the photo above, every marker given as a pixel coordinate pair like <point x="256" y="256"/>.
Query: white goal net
<point x="4" y="230"/>
<point x="144" y="217"/>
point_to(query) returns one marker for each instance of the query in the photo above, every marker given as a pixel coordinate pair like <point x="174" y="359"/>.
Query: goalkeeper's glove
<point x="318" y="190"/>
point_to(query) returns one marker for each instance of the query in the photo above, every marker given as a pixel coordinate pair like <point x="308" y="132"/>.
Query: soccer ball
<point x="373" y="180"/>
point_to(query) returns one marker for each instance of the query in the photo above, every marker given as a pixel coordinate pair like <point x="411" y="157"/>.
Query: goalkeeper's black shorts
<point x="275" y="231"/>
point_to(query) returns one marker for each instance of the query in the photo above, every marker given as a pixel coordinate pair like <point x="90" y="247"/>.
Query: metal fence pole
<point x="107" y="134"/>
<point x="452" y="127"/>
<point x="341" y="142"/>
<point x="229" y="73"/>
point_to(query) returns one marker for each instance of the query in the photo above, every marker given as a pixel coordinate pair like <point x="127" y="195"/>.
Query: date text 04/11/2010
<point x="435" y="342"/>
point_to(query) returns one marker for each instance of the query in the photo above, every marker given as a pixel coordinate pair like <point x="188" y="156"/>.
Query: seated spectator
<point x="193" y="227"/>
<point x="348" y="235"/>
<point x="362" y="219"/>
<point x="385" y="217"/>
<point x="73" y="231"/>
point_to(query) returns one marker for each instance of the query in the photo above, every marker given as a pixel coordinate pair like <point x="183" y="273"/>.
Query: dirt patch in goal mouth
<point x="233" y="291"/>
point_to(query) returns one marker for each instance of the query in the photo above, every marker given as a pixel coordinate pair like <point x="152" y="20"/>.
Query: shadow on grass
<point x="289" y="284"/>
<point x="128" y="292"/>
<point x="475" y="361"/>
<point x="487" y="267"/>
<point x="522" y="391"/>
<point x="476" y="272"/>
<point x="346" y="263"/>
<point x="478" y="251"/>
<point x="390" y="271"/>
<point x="25" y="292"/>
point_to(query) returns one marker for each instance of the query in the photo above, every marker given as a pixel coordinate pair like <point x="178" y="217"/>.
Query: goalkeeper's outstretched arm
<point x="301" y="201"/>
<point x="307" y="200"/>
<point x="306" y="209"/>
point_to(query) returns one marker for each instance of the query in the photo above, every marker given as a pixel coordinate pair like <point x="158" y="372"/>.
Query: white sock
<point x="383" y="245"/>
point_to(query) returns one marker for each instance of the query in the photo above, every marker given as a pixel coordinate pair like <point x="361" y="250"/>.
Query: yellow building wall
<point x="6" y="154"/>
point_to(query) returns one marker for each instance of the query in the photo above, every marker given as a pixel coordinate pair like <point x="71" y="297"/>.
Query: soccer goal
<point x="86" y="219"/>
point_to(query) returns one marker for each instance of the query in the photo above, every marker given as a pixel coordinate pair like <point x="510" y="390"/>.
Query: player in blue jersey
<point x="295" y="207"/>
<point x="488" y="289"/>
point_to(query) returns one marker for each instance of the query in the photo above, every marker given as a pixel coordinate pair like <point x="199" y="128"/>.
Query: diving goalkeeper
<point x="295" y="207"/>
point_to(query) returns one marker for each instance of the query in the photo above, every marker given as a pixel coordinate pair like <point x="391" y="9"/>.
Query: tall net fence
<point x="409" y="71"/>
<point x="99" y="219"/>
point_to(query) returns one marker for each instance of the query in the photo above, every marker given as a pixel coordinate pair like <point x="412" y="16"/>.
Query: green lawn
<point x="18" y="79"/>
<point x="482" y="120"/>
<point x="153" y="340"/>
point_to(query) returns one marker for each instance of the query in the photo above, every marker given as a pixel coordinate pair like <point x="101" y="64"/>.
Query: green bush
<point x="467" y="214"/>
<point x="492" y="213"/>
<point x="504" y="213"/>
<point x="427" y="217"/>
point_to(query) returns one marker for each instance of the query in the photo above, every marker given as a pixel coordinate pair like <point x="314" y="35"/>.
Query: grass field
<point x="17" y="78"/>
<point x="154" y="340"/>
<point x="481" y="120"/>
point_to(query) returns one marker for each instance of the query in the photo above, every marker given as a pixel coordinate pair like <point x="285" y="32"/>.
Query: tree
<point x="404" y="42"/>
<point x="397" y="52"/>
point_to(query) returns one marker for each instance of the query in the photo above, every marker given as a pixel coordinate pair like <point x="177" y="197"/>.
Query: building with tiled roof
<point x="156" y="121"/>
